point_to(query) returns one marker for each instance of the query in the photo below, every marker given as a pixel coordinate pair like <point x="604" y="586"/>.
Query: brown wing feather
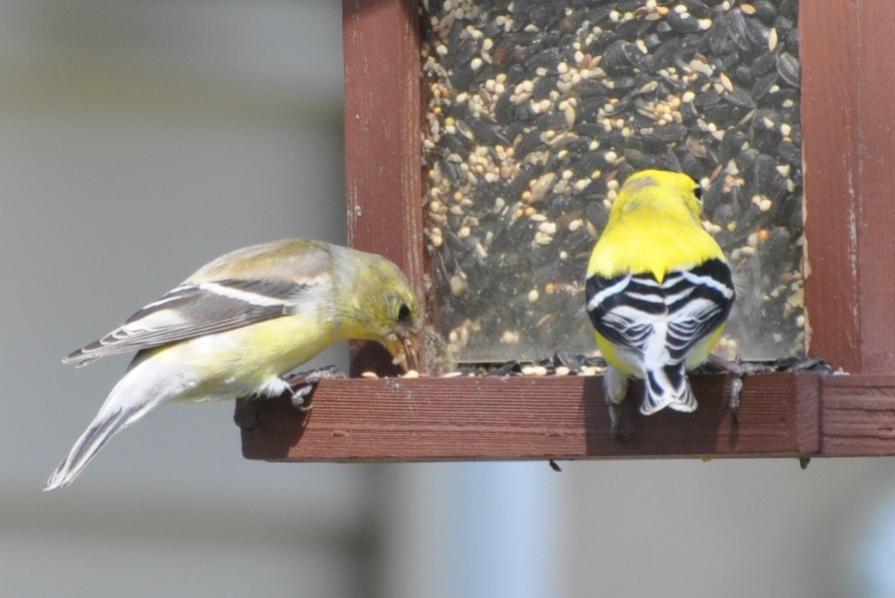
<point x="243" y="287"/>
<point x="191" y="311"/>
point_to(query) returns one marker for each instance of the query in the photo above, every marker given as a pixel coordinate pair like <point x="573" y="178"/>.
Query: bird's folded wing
<point x="694" y="315"/>
<point x="192" y="310"/>
<point x="622" y="309"/>
<point x="692" y="302"/>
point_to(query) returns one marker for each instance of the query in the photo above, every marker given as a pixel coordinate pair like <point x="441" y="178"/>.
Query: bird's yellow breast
<point x="282" y="344"/>
<point x="235" y="362"/>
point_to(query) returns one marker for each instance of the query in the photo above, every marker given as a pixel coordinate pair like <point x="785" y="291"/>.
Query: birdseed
<point x="537" y="111"/>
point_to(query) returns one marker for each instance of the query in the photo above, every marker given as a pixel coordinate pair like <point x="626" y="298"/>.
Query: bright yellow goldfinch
<point x="241" y="322"/>
<point x="659" y="291"/>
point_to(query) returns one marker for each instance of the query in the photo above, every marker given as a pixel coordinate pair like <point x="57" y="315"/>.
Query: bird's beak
<point x="403" y="348"/>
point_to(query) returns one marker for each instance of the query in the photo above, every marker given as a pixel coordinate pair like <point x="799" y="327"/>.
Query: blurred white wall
<point x="140" y="139"/>
<point x="731" y="528"/>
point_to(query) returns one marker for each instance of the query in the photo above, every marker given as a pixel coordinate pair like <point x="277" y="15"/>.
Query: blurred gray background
<point x="140" y="139"/>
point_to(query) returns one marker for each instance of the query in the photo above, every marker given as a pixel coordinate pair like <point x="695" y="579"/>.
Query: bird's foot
<point x="615" y="387"/>
<point x="736" y="389"/>
<point x="302" y="385"/>
<point x="738" y="371"/>
<point x="299" y="397"/>
<point x="615" y="423"/>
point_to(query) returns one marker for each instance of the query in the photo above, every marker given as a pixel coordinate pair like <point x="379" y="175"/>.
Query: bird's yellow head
<point x="661" y="191"/>
<point x="385" y="308"/>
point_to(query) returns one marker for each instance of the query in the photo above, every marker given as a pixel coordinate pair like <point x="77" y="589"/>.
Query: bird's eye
<point x="698" y="193"/>
<point x="403" y="313"/>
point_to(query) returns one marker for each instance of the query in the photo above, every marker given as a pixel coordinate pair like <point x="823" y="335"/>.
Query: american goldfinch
<point x="659" y="291"/>
<point x="241" y="322"/>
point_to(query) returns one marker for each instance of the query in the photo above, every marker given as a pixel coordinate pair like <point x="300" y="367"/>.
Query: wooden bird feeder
<point x="848" y="153"/>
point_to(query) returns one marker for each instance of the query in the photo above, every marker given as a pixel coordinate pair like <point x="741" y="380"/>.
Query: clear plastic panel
<point x="537" y="111"/>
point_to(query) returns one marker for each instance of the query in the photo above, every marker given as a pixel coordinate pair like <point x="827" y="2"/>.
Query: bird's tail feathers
<point x="129" y="401"/>
<point x="667" y="386"/>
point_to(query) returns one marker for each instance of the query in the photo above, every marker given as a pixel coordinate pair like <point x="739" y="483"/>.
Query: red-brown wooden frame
<point x="847" y="86"/>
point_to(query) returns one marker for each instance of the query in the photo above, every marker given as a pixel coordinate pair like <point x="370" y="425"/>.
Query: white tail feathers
<point x="131" y="399"/>
<point x="667" y="387"/>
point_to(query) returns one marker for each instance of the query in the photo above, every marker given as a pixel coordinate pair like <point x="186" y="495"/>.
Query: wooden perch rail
<point x="534" y="418"/>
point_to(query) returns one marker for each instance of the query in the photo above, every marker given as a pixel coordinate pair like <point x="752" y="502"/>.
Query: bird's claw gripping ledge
<point x="301" y="385"/>
<point x="299" y="388"/>
<point x="736" y="388"/>
<point x="615" y="424"/>
<point x="738" y="370"/>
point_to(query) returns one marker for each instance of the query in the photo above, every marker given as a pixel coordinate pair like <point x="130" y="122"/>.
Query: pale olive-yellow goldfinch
<point x="659" y="291"/>
<point x="241" y="322"/>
